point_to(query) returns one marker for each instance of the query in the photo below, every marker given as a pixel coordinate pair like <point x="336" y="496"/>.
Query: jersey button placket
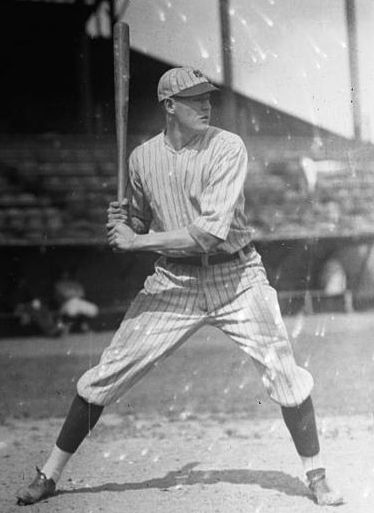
<point x="173" y="177"/>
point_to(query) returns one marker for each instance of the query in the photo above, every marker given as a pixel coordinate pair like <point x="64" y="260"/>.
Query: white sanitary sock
<point x="56" y="463"/>
<point x="312" y="462"/>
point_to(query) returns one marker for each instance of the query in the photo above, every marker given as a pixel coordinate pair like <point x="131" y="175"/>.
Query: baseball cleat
<point x="40" y="488"/>
<point x="322" y="492"/>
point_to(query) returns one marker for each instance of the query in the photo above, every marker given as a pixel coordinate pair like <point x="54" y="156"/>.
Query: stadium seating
<point x="58" y="188"/>
<point x="282" y="204"/>
<point x="63" y="188"/>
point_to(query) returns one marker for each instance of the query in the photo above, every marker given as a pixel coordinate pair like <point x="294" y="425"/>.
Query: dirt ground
<point x="199" y="461"/>
<point x="199" y="466"/>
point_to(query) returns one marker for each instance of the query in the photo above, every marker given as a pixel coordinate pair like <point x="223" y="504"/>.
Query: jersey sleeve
<point x="224" y="188"/>
<point x="206" y="241"/>
<point x="140" y="206"/>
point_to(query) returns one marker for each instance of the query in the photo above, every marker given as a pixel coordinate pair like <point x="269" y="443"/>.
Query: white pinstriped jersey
<point x="200" y="185"/>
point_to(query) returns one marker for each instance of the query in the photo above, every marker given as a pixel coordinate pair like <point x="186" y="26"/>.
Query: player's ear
<point x="169" y="105"/>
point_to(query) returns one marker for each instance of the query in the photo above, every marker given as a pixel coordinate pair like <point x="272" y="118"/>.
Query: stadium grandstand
<point x="309" y="189"/>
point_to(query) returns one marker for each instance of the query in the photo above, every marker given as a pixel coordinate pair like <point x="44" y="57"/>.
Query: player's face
<point x="193" y="113"/>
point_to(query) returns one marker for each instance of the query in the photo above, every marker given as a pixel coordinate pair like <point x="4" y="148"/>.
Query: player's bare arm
<point x="122" y="238"/>
<point x="123" y="235"/>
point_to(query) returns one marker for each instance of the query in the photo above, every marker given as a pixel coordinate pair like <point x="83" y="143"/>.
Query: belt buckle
<point x="242" y="256"/>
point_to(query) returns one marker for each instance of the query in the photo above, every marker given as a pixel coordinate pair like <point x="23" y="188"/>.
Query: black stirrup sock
<point x="81" y="418"/>
<point x="301" y="423"/>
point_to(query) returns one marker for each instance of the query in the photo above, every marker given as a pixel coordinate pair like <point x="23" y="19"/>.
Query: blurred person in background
<point x="332" y="278"/>
<point x="33" y="311"/>
<point x="75" y="311"/>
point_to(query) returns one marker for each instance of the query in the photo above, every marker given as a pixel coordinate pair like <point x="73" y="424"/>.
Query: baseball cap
<point x="183" y="81"/>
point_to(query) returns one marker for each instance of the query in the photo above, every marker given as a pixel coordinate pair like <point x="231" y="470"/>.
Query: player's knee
<point x="288" y="388"/>
<point x="94" y="389"/>
<point x="88" y="392"/>
<point x="83" y="388"/>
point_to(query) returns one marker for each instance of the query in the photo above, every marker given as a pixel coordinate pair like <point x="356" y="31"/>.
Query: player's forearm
<point x="163" y="241"/>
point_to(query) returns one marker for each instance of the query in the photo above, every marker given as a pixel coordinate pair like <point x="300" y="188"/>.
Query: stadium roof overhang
<point x="288" y="59"/>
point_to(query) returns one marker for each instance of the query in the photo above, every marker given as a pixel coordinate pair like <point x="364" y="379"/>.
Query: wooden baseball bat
<point x="121" y="44"/>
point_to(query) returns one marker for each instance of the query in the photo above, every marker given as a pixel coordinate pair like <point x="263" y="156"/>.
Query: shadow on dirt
<point x="186" y="476"/>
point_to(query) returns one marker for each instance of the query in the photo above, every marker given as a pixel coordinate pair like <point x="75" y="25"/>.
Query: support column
<point x="350" y="12"/>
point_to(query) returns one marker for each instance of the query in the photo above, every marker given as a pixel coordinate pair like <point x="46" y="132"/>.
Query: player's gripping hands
<point x="119" y="212"/>
<point x="120" y="236"/>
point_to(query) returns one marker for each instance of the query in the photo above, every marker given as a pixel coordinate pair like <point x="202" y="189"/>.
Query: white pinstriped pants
<point x="177" y="300"/>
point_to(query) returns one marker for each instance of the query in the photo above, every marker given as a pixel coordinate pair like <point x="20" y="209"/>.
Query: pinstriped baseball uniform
<point x="199" y="187"/>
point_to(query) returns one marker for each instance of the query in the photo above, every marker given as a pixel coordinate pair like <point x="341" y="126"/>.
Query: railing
<point x="314" y="301"/>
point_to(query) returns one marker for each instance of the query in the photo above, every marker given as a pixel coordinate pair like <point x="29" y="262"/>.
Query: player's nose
<point x="205" y="106"/>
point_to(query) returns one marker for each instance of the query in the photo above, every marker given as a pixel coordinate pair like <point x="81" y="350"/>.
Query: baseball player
<point x="188" y="205"/>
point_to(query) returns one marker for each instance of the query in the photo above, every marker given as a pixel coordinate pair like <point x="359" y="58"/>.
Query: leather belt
<point x="205" y="259"/>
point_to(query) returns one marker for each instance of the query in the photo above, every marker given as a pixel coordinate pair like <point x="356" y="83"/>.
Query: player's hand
<point x="119" y="212"/>
<point x="120" y="236"/>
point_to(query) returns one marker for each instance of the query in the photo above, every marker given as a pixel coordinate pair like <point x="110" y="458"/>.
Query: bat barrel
<point x="121" y="47"/>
